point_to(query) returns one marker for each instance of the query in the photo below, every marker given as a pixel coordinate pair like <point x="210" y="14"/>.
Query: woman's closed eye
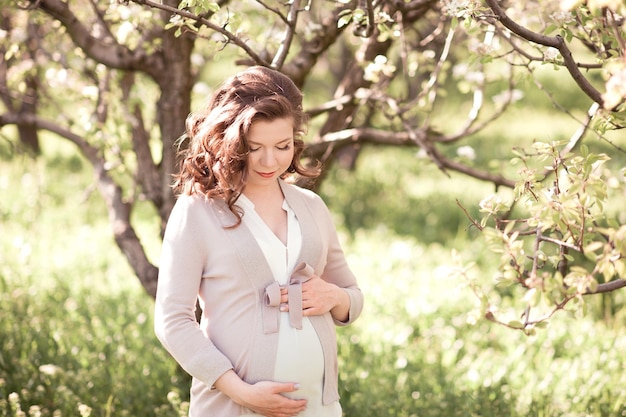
<point x="280" y="148"/>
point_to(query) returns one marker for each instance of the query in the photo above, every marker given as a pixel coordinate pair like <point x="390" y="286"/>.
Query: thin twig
<point x="470" y="218"/>
<point x="227" y="34"/>
<point x="369" y="27"/>
<point x="285" y="45"/>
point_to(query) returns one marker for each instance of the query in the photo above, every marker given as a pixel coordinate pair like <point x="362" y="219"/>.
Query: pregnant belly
<point x="300" y="359"/>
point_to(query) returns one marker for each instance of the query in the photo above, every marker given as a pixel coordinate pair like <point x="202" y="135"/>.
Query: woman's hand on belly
<point x="320" y="297"/>
<point x="264" y="397"/>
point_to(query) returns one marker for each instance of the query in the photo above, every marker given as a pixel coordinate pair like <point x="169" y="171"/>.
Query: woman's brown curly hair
<point x="214" y="164"/>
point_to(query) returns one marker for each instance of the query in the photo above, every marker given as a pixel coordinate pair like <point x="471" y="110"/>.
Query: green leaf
<point x="584" y="150"/>
<point x="344" y="18"/>
<point x="549" y="29"/>
<point x="213" y="7"/>
<point x="591" y="248"/>
<point x="191" y="26"/>
<point x="531" y="331"/>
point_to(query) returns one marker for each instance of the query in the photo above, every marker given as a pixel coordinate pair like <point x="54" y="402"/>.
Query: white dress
<point x="299" y="358"/>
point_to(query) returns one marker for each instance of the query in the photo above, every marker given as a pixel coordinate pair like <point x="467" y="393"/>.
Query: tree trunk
<point x="175" y="78"/>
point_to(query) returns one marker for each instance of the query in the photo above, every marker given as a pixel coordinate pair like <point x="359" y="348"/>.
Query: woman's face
<point x="271" y="151"/>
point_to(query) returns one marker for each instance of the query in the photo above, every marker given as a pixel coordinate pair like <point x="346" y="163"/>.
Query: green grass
<point x="76" y="327"/>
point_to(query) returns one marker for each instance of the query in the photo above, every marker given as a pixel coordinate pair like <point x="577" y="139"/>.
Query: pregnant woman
<point x="259" y="254"/>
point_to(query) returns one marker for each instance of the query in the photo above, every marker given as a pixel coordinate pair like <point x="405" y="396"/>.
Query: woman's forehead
<point x="276" y="131"/>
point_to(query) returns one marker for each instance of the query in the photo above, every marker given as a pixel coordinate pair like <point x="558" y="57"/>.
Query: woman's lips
<point x="266" y="174"/>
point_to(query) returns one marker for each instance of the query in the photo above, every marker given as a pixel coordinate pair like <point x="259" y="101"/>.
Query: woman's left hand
<point x="320" y="297"/>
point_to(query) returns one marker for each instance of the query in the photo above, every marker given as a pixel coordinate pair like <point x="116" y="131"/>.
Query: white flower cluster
<point x="458" y="8"/>
<point x="379" y="66"/>
<point x="615" y="89"/>
<point x="84" y="410"/>
<point x="508" y="96"/>
<point x="492" y="204"/>
<point x="481" y="48"/>
<point x="466" y="152"/>
<point x="562" y="17"/>
<point x="551" y="54"/>
<point x="464" y="71"/>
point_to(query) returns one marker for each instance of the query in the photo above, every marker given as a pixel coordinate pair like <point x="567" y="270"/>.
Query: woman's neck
<point x="264" y="194"/>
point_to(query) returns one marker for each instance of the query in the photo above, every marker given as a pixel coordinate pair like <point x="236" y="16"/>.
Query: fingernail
<point x="296" y="386"/>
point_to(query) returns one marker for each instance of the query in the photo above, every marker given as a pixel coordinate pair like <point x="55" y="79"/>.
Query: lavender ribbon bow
<point x="271" y="300"/>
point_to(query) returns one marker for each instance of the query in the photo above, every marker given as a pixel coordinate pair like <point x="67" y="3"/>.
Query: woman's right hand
<point x="264" y="397"/>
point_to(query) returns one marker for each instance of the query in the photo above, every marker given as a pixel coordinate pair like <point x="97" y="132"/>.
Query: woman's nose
<point x="268" y="158"/>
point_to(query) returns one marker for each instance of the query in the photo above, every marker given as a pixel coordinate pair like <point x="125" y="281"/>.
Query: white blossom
<point x="481" y="48"/>
<point x="551" y="54"/>
<point x="377" y="67"/>
<point x="491" y="204"/>
<point x="90" y="91"/>
<point x="466" y="152"/>
<point x="34" y="411"/>
<point x="570" y="4"/>
<point x="508" y="96"/>
<point x="615" y="89"/>
<point x="49" y="369"/>
<point x="459" y="8"/>
<point x="562" y="17"/>
<point x="125" y="29"/>
<point x="84" y="410"/>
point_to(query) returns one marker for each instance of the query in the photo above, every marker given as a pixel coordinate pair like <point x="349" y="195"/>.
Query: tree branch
<point x="430" y="90"/>
<point x="203" y="21"/>
<point x="101" y="19"/>
<point x="106" y="51"/>
<point x="552" y="41"/>
<point x="343" y="138"/>
<point x="471" y="125"/>
<point x="580" y="132"/>
<point x="608" y="287"/>
<point x="496" y="179"/>
<point x="326" y="36"/>
<point x="147" y="172"/>
<point x="285" y="44"/>
<point x="119" y="210"/>
<point x="274" y="10"/>
<point x="334" y="141"/>
<point x="329" y="106"/>
<point x="369" y="26"/>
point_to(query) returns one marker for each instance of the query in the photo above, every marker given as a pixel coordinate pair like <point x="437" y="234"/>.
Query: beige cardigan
<point x="227" y="271"/>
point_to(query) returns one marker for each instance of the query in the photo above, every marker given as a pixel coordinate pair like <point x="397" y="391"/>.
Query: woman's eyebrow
<point x="251" y="142"/>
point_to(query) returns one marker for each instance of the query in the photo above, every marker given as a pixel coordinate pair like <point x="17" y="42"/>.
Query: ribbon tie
<point x="271" y="299"/>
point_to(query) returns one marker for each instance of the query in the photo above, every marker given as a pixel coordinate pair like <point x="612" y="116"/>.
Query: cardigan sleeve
<point x="180" y="273"/>
<point x="337" y="270"/>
